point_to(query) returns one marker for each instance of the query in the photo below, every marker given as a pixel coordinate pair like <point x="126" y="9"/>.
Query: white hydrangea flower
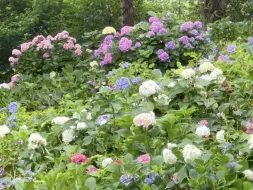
<point x="171" y="85"/>
<point x="187" y="73"/>
<point x="169" y="157"/>
<point x="106" y="162"/>
<point x="24" y="127"/>
<point x="248" y="174"/>
<point x="171" y="145"/>
<point x="60" y="120"/>
<point x="220" y="136"/>
<point x="89" y="116"/>
<point x="206" y="66"/>
<point x="4" y="130"/>
<point x="164" y="98"/>
<point x="250" y="141"/>
<point x="190" y="153"/>
<point x="4" y="86"/>
<point x="145" y="119"/>
<point x="81" y="126"/>
<point x="76" y="115"/>
<point x="216" y="73"/>
<point x="206" y="77"/>
<point x="203" y="131"/>
<point x="35" y="140"/>
<point x="148" y="88"/>
<point x="68" y="135"/>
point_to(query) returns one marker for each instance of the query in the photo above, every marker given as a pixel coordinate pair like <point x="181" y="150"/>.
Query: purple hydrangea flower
<point x="163" y="56"/>
<point x="136" y="80"/>
<point x="125" y="30"/>
<point x="20" y="142"/>
<point x="103" y="119"/>
<point x="122" y="83"/>
<point x="188" y="46"/>
<point x="184" y="40"/>
<point x="187" y="26"/>
<point x="197" y="25"/>
<point x="13" y="107"/>
<point x="12" y="118"/>
<point x="163" y="31"/>
<point x="107" y="48"/>
<point x="194" y="32"/>
<point x="137" y="45"/>
<point x="200" y="37"/>
<point x="160" y="51"/>
<point x="125" y="44"/>
<point x="215" y="50"/>
<point x="108" y="39"/>
<point x="151" y="34"/>
<point x="1" y="172"/>
<point x="156" y="26"/>
<point x="232" y="164"/>
<point x="227" y="59"/>
<point x="107" y="58"/>
<point x="170" y="45"/>
<point x="250" y="41"/>
<point x="126" y="65"/>
<point x="231" y="48"/>
<point x="153" y="19"/>
<point x="98" y="53"/>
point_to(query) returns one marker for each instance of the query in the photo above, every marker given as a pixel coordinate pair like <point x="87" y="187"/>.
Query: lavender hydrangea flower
<point x="250" y="41"/>
<point x="1" y="172"/>
<point x="163" y="31"/>
<point x="232" y="164"/>
<point x="136" y="80"/>
<point x="215" y="50"/>
<point x="187" y="26"/>
<point x="153" y="19"/>
<point x="150" y="178"/>
<point x="13" y="107"/>
<point x="192" y="39"/>
<point x="227" y="59"/>
<point x="126" y="179"/>
<point x="125" y="44"/>
<point x="111" y="73"/>
<point x="231" y="49"/>
<point x="194" y="32"/>
<point x="108" y="39"/>
<point x="188" y="46"/>
<point x="197" y="25"/>
<point x="163" y="56"/>
<point x="156" y="26"/>
<point x="151" y="34"/>
<point x="122" y="83"/>
<point x="103" y="119"/>
<point x="170" y="45"/>
<point x="126" y="65"/>
<point x="184" y="40"/>
<point x="160" y="51"/>
<point x="98" y="53"/>
<point x="137" y="45"/>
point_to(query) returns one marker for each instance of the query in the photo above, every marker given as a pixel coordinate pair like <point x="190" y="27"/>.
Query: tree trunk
<point x="127" y="12"/>
<point x="212" y="10"/>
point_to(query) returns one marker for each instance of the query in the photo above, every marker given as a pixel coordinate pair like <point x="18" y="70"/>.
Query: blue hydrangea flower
<point x="12" y="118"/>
<point x="188" y="46"/>
<point x="227" y="59"/>
<point x="250" y="41"/>
<point x="192" y="39"/>
<point x="111" y="73"/>
<point x="150" y="178"/>
<point x="4" y="181"/>
<point x="126" y="65"/>
<point x="13" y="107"/>
<point x="232" y="164"/>
<point x="211" y="57"/>
<point x="126" y="179"/>
<point x="122" y="83"/>
<point x="136" y="80"/>
<point x="148" y="181"/>
<point x="215" y="50"/>
<point x="231" y="48"/>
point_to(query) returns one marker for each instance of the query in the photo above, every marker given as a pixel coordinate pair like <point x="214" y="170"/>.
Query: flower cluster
<point x="35" y="141"/>
<point x="150" y="179"/>
<point x="148" y="88"/>
<point x="128" y="180"/>
<point x="145" y="119"/>
<point x="79" y="158"/>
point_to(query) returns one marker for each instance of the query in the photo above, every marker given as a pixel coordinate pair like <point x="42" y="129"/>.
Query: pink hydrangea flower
<point x="25" y="46"/>
<point x="16" y="52"/>
<point x="144" y="159"/>
<point x="151" y="34"/>
<point x="13" y="60"/>
<point x="125" y="30"/>
<point x="78" y="52"/>
<point x="107" y="58"/>
<point x="78" y="46"/>
<point x="38" y="39"/>
<point x="153" y="19"/>
<point x="62" y="35"/>
<point x="72" y="39"/>
<point x="125" y="44"/>
<point x="45" y="44"/>
<point x="119" y="162"/>
<point x="98" y="53"/>
<point x="46" y="55"/>
<point x="79" y="158"/>
<point x="156" y="26"/>
<point x="175" y="178"/>
<point x="204" y="122"/>
<point x="15" y="77"/>
<point x="92" y="170"/>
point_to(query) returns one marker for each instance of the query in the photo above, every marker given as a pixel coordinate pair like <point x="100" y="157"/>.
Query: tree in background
<point x="127" y="12"/>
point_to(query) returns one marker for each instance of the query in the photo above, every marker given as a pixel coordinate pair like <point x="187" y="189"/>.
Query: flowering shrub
<point x="46" y="54"/>
<point x="160" y="41"/>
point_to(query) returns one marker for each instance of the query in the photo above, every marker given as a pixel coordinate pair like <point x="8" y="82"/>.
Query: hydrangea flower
<point x="136" y="80"/>
<point x="151" y="33"/>
<point x="153" y="19"/>
<point x="197" y="25"/>
<point x="126" y="179"/>
<point x="103" y="119"/>
<point x="232" y="164"/>
<point x="106" y="162"/>
<point x="248" y="174"/>
<point x="163" y="56"/>
<point x="250" y="41"/>
<point x="148" y="88"/>
<point x="125" y="30"/>
<point x="125" y="44"/>
<point x="170" y="45"/>
<point x="122" y="83"/>
<point x="78" y="158"/>
<point x="108" y="30"/>
<point x="13" y="107"/>
<point x="126" y="65"/>
<point x="186" y="26"/>
<point x="150" y="179"/>
<point x="4" y="130"/>
<point x="68" y="135"/>
<point x="215" y="50"/>
<point x="156" y="26"/>
<point x="190" y="153"/>
<point x="92" y="170"/>
<point x="169" y="157"/>
<point x="231" y="49"/>
<point x="137" y="45"/>
<point x="145" y="119"/>
<point x="162" y="31"/>
<point x="35" y="140"/>
<point x="220" y="136"/>
<point x="187" y="73"/>
<point x="184" y="40"/>
<point x="144" y="159"/>
<point x="194" y="32"/>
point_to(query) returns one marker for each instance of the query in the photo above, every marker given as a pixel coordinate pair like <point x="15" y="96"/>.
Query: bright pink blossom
<point x="119" y="162"/>
<point x="92" y="170"/>
<point x="79" y="158"/>
<point x="144" y="159"/>
<point x="25" y="46"/>
<point x="204" y="122"/>
<point x="78" y="52"/>
<point x="45" y="44"/>
<point x="125" y="30"/>
<point x="125" y="44"/>
<point x="46" y="55"/>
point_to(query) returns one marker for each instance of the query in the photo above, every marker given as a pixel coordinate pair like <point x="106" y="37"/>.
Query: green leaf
<point x="146" y="187"/>
<point x="19" y="184"/>
<point x="182" y="174"/>
<point x="91" y="183"/>
<point x="247" y="186"/>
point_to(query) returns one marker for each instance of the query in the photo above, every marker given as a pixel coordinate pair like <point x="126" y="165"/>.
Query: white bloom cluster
<point x="171" y="145"/>
<point x="216" y="74"/>
<point x="76" y="115"/>
<point x="35" y="140"/>
<point x="187" y="73"/>
<point x="162" y="98"/>
<point x="206" y="66"/>
<point x="106" y="162"/>
<point x="203" y="131"/>
<point x="145" y="119"/>
<point x="60" y="120"/>
<point x="190" y="153"/>
<point x="68" y="135"/>
<point x="169" y="157"/>
<point x="4" y="130"/>
<point x="148" y="88"/>
<point x="250" y="141"/>
<point x="248" y="174"/>
<point x="4" y="86"/>
<point x="220" y="136"/>
<point x="81" y="125"/>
